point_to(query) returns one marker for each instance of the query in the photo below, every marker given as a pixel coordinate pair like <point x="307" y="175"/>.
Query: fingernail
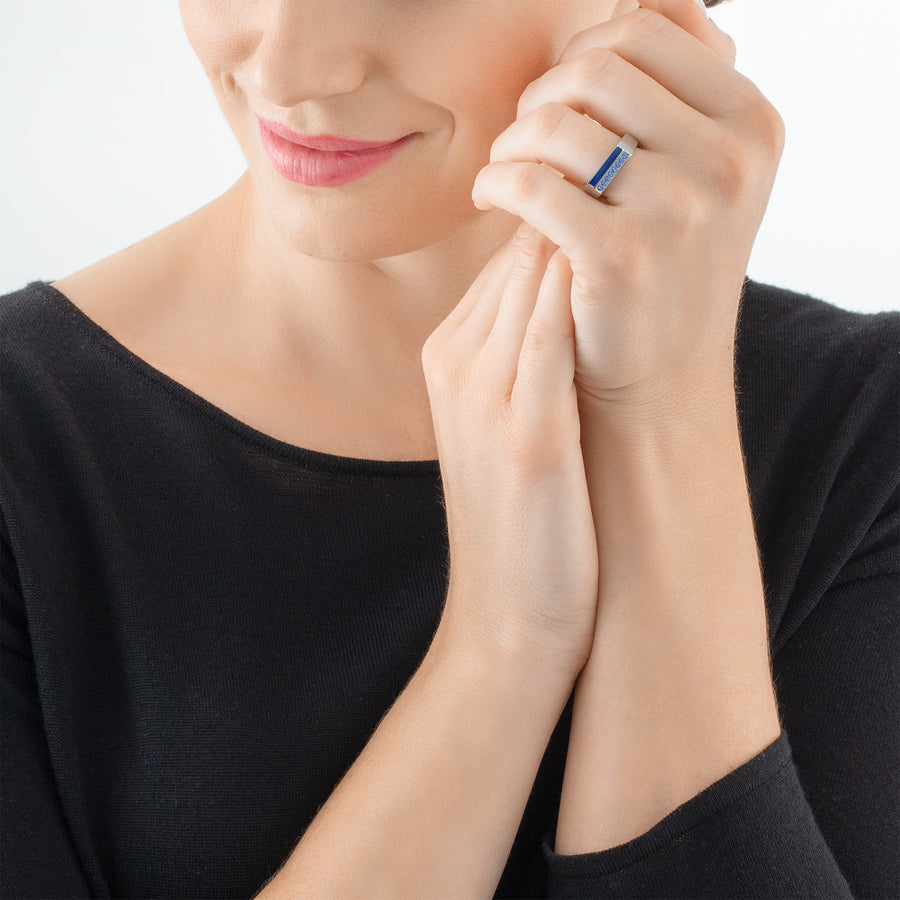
<point x="702" y="6"/>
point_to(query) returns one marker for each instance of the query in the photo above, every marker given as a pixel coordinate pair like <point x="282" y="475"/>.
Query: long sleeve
<point x="817" y="813"/>
<point x="202" y="626"/>
<point x="37" y="855"/>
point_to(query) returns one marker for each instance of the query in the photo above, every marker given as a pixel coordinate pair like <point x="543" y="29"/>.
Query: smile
<point x="324" y="167"/>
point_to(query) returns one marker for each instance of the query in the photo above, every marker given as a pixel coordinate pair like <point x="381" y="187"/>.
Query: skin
<point x="378" y="264"/>
<point x="656" y="270"/>
<point x="634" y="298"/>
<point x="677" y="691"/>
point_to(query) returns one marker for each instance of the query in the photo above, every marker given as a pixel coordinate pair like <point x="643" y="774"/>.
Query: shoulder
<point x="46" y="340"/>
<point x="127" y="292"/>
<point x="820" y="411"/>
<point x="804" y="363"/>
<point x="62" y="360"/>
<point x="36" y="326"/>
<point x="810" y="369"/>
<point x="130" y="298"/>
<point x="55" y="365"/>
<point x="780" y="328"/>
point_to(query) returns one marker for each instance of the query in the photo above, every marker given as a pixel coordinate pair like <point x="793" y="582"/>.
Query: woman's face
<point x="448" y="71"/>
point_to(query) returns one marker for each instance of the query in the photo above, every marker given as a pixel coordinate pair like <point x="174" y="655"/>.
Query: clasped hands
<point x="658" y="265"/>
<point x="584" y="405"/>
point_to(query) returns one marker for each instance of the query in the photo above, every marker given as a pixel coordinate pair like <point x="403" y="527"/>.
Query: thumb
<point x="546" y="369"/>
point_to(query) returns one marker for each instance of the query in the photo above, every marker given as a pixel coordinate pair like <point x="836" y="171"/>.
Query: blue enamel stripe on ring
<point x="611" y="166"/>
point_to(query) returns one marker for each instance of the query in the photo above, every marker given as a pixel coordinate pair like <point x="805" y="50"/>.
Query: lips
<point x="325" y="142"/>
<point x="323" y="160"/>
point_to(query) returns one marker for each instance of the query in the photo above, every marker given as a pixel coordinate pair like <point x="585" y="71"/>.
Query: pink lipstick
<point x="323" y="160"/>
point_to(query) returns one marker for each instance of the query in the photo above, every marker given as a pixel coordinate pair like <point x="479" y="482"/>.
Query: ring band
<point x="611" y="167"/>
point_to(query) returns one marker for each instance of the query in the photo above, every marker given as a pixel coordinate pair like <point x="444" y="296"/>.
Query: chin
<point x="363" y="226"/>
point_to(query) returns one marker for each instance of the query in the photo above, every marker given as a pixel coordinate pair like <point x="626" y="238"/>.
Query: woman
<point x="418" y="520"/>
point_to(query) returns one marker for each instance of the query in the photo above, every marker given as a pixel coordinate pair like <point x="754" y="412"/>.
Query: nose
<point x="309" y="49"/>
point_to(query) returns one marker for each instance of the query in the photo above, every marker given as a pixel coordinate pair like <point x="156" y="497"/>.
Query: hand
<point x="500" y="377"/>
<point x="658" y="263"/>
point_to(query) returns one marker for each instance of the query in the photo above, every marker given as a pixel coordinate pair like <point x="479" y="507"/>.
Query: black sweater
<point x="202" y="626"/>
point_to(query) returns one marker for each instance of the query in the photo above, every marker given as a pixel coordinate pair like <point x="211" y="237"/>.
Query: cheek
<point x="219" y="32"/>
<point x="474" y="58"/>
<point x="485" y="103"/>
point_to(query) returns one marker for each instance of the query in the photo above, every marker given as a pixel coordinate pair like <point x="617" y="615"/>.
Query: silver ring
<point x="611" y="167"/>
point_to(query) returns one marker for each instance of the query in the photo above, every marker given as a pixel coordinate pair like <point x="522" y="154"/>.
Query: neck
<point x="373" y="314"/>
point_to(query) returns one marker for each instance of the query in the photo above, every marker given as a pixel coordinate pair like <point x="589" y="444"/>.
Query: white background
<point x="111" y="132"/>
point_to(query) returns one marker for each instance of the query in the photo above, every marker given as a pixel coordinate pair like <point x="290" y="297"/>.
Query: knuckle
<point x="526" y="98"/>
<point x="443" y="377"/>
<point x="431" y="361"/>
<point x="427" y="364"/>
<point x="692" y="206"/>
<point x="771" y="128"/>
<point x="761" y="122"/>
<point x="537" y="337"/>
<point x="531" y="251"/>
<point x="433" y="345"/>
<point x="644" y="24"/>
<point x="549" y="119"/>
<point x="529" y="259"/>
<point x="527" y="180"/>
<point x="593" y="66"/>
<point x="732" y="171"/>
<point x="730" y="48"/>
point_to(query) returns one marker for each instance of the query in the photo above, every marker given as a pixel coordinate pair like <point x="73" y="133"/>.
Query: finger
<point x="517" y="253"/>
<point x="672" y="57"/>
<point x="615" y="95"/>
<point x="576" y="222"/>
<point x="489" y="281"/>
<point x="694" y="18"/>
<point x="573" y="144"/>
<point x="610" y="90"/>
<point x="546" y="369"/>
<point x="504" y="343"/>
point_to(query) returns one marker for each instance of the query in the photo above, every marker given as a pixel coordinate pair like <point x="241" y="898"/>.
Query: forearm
<point x="433" y="803"/>
<point x="677" y="691"/>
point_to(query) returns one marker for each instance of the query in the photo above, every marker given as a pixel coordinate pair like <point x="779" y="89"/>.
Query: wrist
<point x="671" y="507"/>
<point x="524" y="670"/>
<point x="433" y="803"/>
<point x="686" y="408"/>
